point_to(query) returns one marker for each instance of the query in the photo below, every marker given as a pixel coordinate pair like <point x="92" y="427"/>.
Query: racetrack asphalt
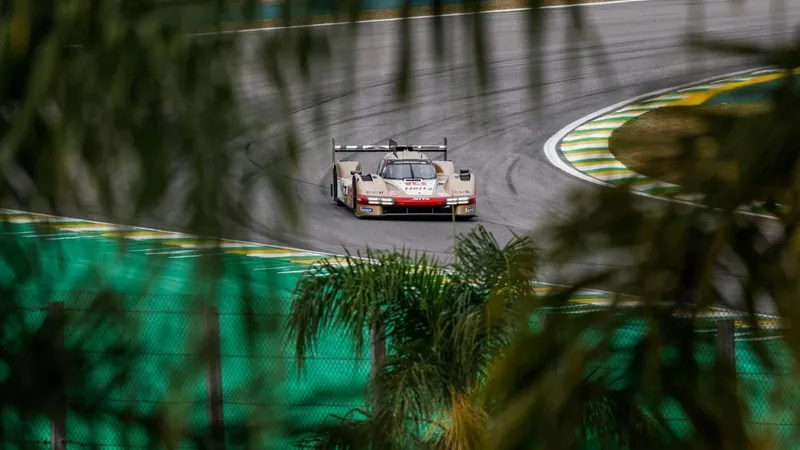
<point x="632" y="49"/>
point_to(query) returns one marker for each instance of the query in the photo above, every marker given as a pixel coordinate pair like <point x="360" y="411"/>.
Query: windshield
<point x="399" y="171"/>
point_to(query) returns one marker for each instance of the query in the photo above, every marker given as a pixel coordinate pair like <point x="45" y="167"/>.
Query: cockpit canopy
<point x="405" y="169"/>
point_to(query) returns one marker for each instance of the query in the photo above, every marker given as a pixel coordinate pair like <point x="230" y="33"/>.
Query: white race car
<point x="407" y="182"/>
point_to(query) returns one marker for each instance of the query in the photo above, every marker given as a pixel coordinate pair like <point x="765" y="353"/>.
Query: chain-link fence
<point x="172" y="361"/>
<point x="765" y="369"/>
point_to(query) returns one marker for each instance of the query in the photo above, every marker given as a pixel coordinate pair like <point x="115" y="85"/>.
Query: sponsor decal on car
<point x="373" y="192"/>
<point x="365" y="209"/>
<point x="460" y="191"/>
<point x="421" y="198"/>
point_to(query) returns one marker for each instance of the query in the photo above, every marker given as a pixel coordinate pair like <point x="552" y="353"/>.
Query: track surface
<point x="632" y="49"/>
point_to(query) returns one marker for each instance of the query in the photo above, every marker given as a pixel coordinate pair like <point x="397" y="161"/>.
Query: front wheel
<point x="352" y="196"/>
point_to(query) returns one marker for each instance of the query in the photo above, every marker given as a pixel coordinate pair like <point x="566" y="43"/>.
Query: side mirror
<point x="353" y="172"/>
<point x="463" y="171"/>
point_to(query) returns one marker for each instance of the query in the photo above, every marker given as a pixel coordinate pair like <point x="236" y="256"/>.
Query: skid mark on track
<point x="510" y="175"/>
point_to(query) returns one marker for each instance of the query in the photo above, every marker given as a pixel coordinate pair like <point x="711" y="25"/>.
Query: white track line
<point x="396" y="19"/>
<point x="551" y="146"/>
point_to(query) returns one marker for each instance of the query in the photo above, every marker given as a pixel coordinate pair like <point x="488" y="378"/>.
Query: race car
<point x="406" y="182"/>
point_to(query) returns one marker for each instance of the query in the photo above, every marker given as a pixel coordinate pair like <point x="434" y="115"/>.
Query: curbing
<point x="583" y="300"/>
<point x="581" y="148"/>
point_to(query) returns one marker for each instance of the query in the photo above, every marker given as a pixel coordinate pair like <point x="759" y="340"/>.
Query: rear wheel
<point x="351" y="196"/>
<point x="335" y="188"/>
<point x="337" y="201"/>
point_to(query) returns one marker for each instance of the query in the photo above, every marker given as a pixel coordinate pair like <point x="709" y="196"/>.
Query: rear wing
<point x="430" y="148"/>
<point x="435" y="148"/>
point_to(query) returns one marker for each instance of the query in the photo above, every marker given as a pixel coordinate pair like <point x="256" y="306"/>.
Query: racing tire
<point x="353" y="204"/>
<point x="334" y="192"/>
<point x="354" y="189"/>
<point x="336" y="200"/>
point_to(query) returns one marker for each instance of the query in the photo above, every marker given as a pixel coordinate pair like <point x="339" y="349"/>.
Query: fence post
<point x="377" y="352"/>
<point x="214" y="379"/>
<point x="542" y="319"/>
<point x="726" y="341"/>
<point x="58" y="414"/>
<point x="377" y="348"/>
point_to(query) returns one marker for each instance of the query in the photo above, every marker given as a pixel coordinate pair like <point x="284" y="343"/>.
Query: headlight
<point x="458" y="200"/>
<point x="380" y="201"/>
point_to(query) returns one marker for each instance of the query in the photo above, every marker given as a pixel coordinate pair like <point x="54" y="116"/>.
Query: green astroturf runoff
<point x="159" y="272"/>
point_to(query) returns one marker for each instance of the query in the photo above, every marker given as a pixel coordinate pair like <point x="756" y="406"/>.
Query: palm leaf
<point x="443" y="325"/>
<point x="355" y="295"/>
<point x="346" y="433"/>
<point x="481" y="259"/>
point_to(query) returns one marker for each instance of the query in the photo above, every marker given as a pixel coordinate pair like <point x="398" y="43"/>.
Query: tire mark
<point x="509" y="176"/>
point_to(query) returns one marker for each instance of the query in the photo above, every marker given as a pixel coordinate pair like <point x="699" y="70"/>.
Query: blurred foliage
<point x="109" y="108"/>
<point x="678" y="258"/>
<point x="105" y="102"/>
<point x="119" y="109"/>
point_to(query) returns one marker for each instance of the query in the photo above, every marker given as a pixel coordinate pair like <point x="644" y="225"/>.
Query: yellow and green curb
<point x="46" y="226"/>
<point x="582" y="149"/>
